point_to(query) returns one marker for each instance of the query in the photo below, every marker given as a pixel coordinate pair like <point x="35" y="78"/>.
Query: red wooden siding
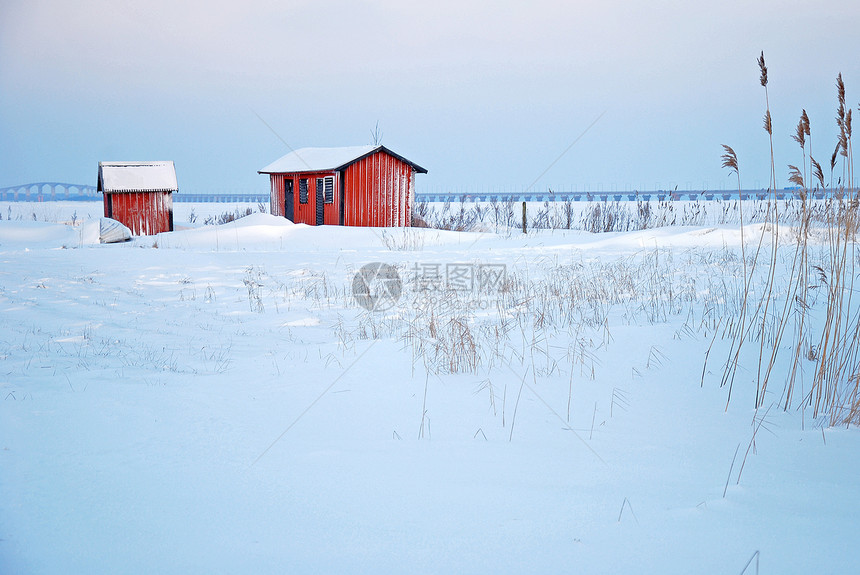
<point x="144" y="213"/>
<point x="377" y="191"/>
<point x="276" y="204"/>
<point x="307" y="213"/>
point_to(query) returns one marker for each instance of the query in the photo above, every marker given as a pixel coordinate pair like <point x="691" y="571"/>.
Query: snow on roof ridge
<point x="314" y="159"/>
<point x="137" y="163"/>
<point x="328" y="159"/>
<point x="137" y="176"/>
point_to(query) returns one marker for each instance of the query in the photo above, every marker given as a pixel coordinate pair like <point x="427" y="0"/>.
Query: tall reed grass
<point x="822" y="330"/>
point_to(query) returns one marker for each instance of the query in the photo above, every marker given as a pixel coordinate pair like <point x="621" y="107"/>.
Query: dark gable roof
<point x="328" y="160"/>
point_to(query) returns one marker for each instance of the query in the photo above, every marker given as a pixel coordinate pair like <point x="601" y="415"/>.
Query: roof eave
<point x="139" y="191"/>
<point x="382" y="148"/>
<point x="415" y="166"/>
<point x="343" y="166"/>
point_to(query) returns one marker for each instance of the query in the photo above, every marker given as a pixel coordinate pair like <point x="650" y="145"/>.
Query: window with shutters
<point x="303" y="191"/>
<point x="329" y="190"/>
<point x="320" y="202"/>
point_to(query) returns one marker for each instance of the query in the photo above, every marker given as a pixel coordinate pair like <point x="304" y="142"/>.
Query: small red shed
<point x="139" y="194"/>
<point x="350" y="186"/>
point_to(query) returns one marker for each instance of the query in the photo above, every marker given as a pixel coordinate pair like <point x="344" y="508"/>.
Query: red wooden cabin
<point x="139" y="194"/>
<point x="352" y="186"/>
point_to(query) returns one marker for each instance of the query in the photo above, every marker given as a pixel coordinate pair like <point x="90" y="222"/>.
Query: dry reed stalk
<point x="773" y="219"/>
<point x="730" y="161"/>
<point x="799" y="271"/>
<point x="837" y="344"/>
<point x="835" y="383"/>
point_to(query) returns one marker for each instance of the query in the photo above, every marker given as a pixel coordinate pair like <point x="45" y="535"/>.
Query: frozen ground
<point x="215" y="401"/>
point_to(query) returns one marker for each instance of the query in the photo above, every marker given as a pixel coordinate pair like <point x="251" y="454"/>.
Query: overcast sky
<point x="482" y="94"/>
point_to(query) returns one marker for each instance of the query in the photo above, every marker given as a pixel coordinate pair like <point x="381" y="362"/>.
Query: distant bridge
<point x="55" y="191"/>
<point x="48" y="191"/>
<point x="51" y="191"/>
<point x="226" y="198"/>
<point x="660" y="195"/>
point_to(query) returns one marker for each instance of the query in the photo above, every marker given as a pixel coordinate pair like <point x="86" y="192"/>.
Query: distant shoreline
<point x="21" y="195"/>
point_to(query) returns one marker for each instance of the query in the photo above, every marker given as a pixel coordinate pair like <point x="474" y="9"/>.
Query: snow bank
<point x="256" y="231"/>
<point x="259" y="232"/>
<point x="34" y="233"/>
<point x="22" y="234"/>
<point x="31" y="235"/>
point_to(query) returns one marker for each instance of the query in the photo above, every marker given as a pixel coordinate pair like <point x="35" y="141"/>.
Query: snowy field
<point x="185" y="214"/>
<point x="215" y="400"/>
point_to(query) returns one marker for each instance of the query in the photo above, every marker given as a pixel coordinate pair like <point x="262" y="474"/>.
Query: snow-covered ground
<point x="215" y="400"/>
<point x="74" y="213"/>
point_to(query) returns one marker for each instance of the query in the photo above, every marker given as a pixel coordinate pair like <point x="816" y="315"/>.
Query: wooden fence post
<point x="524" y="217"/>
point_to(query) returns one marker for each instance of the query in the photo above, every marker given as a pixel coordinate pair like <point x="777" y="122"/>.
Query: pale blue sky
<point x="480" y="93"/>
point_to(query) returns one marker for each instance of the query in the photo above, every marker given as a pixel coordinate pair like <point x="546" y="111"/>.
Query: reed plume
<point x="817" y="172"/>
<point x="794" y="176"/>
<point x="799" y="135"/>
<point x="730" y="159"/>
<point x="833" y="158"/>
<point x="768" y="124"/>
<point x="842" y="123"/>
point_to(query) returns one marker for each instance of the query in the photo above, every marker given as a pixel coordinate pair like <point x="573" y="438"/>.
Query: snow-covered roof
<point x="137" y="177"/>
<point x="327" y="159"/>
